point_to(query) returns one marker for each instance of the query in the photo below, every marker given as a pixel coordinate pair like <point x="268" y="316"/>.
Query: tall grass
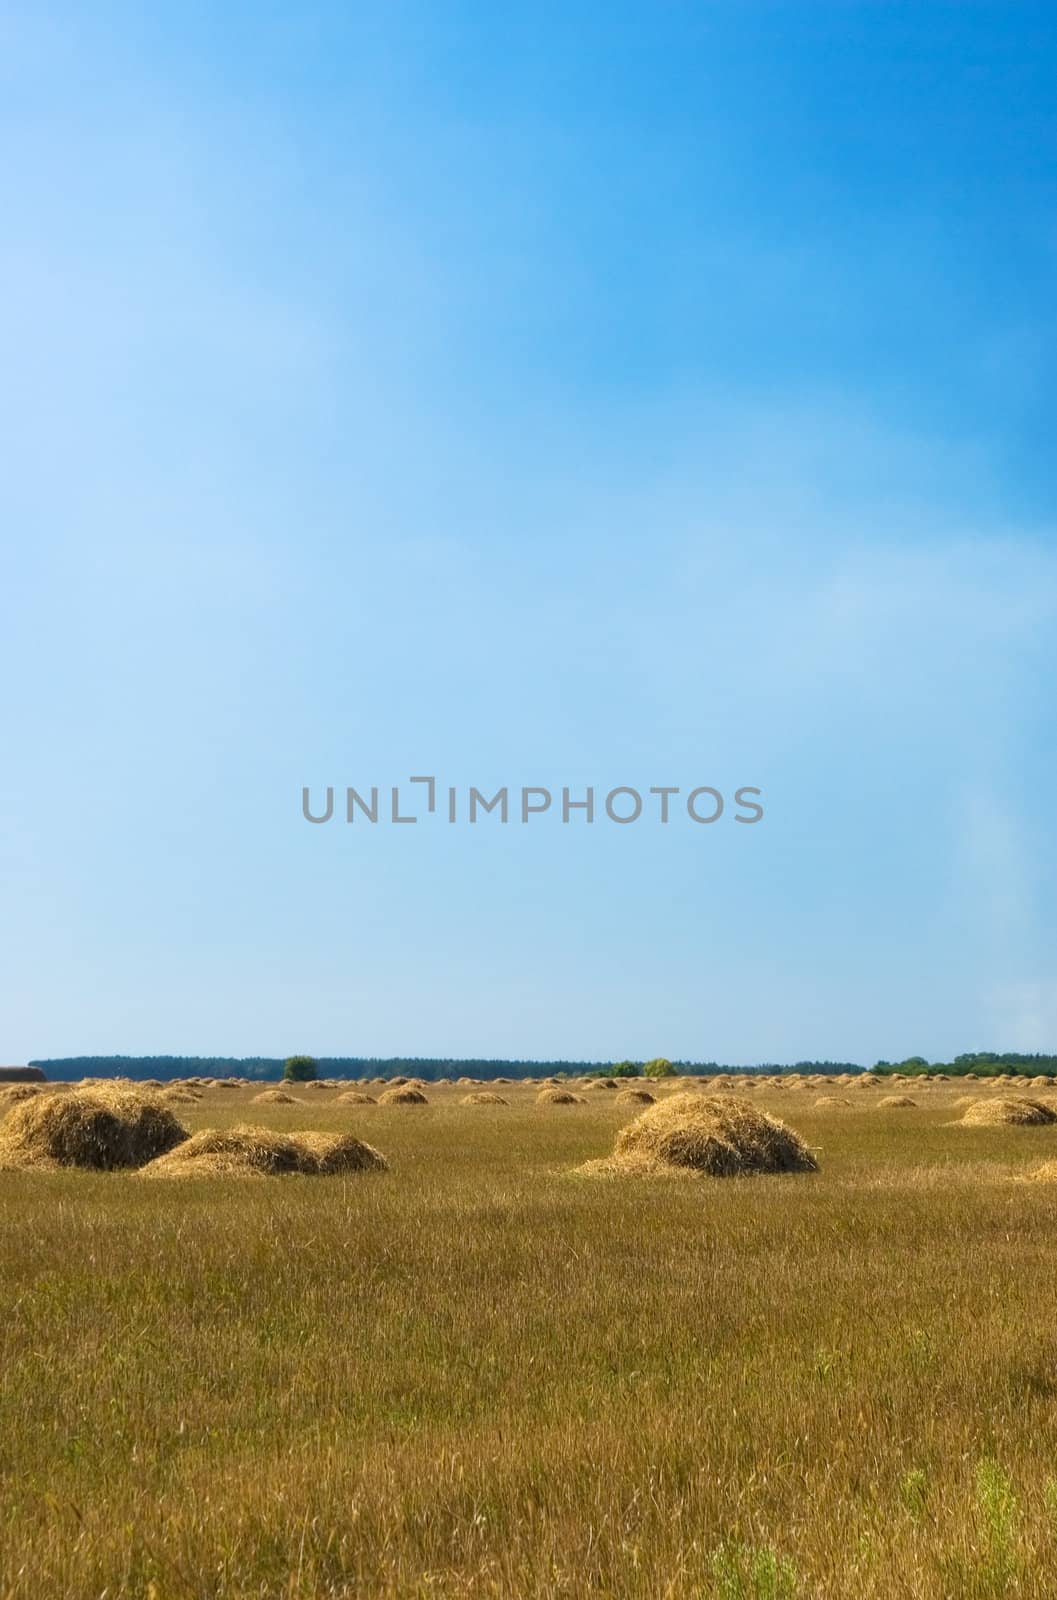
<point x="480" y="1376"/>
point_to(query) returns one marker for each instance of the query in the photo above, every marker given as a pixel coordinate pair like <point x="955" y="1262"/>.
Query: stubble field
<point x="480" y="1374"/>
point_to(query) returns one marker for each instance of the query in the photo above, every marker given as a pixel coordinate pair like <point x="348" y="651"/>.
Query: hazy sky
<point x="558" y="395"/>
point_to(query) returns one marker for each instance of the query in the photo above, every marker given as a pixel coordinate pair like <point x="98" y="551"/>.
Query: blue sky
<point x="587" y="395"/>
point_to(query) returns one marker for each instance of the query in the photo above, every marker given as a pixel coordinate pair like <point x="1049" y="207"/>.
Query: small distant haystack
<point x="483" y="1097"/>
<point x="180" y="1097"/>
<point x="274" y="1097"/>
<point x="101" y="1128"/>
<point x="558" y="1097"/>
<point x="1011" y="1110"/>
<point x="397" y="1082"/>
<point x="635" y="1097"/>
<point x="603" y="1084"/>
<point x="356" y="1097"/>
<point x="825" y="1101"/>
<point x="404" y="1095"/>
<point x="715" y="1134"/>
<point x="259" y="1152"/>
<point x="895" y="1100"/>
<point x="14" y="1093"/>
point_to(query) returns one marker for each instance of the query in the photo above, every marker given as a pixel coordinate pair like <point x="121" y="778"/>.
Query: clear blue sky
<point x="576" y="394"/>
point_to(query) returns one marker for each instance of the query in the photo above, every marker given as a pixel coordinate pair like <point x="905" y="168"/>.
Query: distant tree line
<point x="982" y="1063"/>
<point x="975" y="1064"/>
<point x="429" y="1068"/>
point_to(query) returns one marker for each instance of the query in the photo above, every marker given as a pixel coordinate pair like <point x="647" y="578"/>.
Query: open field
<point x="478" y="1374"/>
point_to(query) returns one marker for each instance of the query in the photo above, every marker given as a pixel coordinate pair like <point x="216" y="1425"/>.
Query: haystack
<point x="403" y="1096"/>
<point x="483" y="1097"/>
<point x="260" y="1152"/>
<point x="895" y="1100"/>
<point x="827" y="1100"/>
<point x="335" y="1153"/>
<point x="1010" y="1110"/>
<point x="102" y="1128"/>
<point x="13" y="1094"/>
<point x="356" y="1097"/>
<point x="558" y="1097"/>
<point x="273" y="1097"/>
<point x="180" y="1097"/>
<point x="635" y="1097"/>
<point x="715" y="1134"/>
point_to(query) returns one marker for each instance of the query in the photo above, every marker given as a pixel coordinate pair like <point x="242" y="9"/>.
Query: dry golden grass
<point x="483" y="1379"/>
<point x="483" y="1097"/>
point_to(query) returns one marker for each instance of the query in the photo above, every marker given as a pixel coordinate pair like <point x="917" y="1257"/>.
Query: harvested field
<point x="481" y="1377"/>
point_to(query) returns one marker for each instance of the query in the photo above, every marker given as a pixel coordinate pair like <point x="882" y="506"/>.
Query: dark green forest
<point x="981" y="1063"/>
<point x="429" y="1068"/>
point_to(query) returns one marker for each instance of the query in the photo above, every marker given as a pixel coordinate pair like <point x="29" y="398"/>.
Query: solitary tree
<point x="659" y="1067"/>
<point x="300" y="1069"/>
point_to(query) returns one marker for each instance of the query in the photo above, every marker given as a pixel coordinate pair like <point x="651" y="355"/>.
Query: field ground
<point x="481" y="1375"/>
